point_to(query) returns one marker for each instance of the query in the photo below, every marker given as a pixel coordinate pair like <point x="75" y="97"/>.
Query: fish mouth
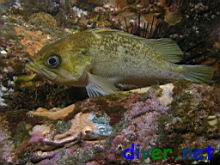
<point x="41" y="70"/>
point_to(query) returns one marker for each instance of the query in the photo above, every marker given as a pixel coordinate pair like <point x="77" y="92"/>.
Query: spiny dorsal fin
<point x="99" y="30"/>
<point x="115" y="31"/>
<point x="167" y="48"/>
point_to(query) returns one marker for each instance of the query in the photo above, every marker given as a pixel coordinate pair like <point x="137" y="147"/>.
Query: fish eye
<point x="54" y="61"/>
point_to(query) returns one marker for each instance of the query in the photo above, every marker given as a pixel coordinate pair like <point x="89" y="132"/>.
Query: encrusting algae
<point x="103" y="60"/>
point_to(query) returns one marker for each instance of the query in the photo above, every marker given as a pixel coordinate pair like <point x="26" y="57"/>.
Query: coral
<point x="194" y="118"/>
<point x="98" y="130"/>
<point x="139" y="121"/>
<point x="141" y="125"/>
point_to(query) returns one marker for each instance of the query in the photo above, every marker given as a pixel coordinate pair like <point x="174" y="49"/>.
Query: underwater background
<point x="95" y="131"/>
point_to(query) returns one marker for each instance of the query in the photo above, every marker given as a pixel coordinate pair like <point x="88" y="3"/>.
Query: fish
<point x="104" y="60"/>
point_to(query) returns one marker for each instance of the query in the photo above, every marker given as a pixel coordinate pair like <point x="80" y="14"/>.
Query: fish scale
<point x="137" y="56"/>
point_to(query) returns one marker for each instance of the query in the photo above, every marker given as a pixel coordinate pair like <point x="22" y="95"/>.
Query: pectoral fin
<point x="99" y="86"/>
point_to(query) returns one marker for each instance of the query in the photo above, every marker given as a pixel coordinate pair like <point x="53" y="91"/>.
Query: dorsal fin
<point x="167" y="49"/>
<point x="115" y="31"/>
<point x="100" y="30"/>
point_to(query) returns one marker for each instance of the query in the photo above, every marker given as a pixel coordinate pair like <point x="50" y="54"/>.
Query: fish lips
<point x="64" y="78"/>
<point x="41" y="70"/>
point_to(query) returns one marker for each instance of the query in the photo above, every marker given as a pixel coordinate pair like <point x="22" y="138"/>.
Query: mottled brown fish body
<point x="102" y="59"/>
<point x="129" y="60"/>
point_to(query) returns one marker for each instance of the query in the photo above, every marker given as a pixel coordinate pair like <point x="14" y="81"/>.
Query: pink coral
<point x="142" y="120"/>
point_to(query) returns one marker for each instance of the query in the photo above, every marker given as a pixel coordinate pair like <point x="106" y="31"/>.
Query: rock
<point x="3" y="92"/>
<point x="4" y="5"/>
<point x="3" y="52"/>
<point x="98" y="130"/>
<point x="213" y="120"/>
<point x="55" y="114"/>
<point x="32" y="41"/>
<point x="50" y="6"/>
<point x="7" y="146"/>
<point x="88" y="4"/>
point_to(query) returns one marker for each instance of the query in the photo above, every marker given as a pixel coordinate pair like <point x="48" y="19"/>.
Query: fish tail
<point x="197" y="73"/>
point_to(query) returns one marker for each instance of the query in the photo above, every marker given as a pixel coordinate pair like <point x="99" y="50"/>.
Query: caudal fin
<point x="198" y="73"/>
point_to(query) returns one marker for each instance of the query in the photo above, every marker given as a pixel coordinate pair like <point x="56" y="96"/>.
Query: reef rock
<point x="99" y="131"/>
